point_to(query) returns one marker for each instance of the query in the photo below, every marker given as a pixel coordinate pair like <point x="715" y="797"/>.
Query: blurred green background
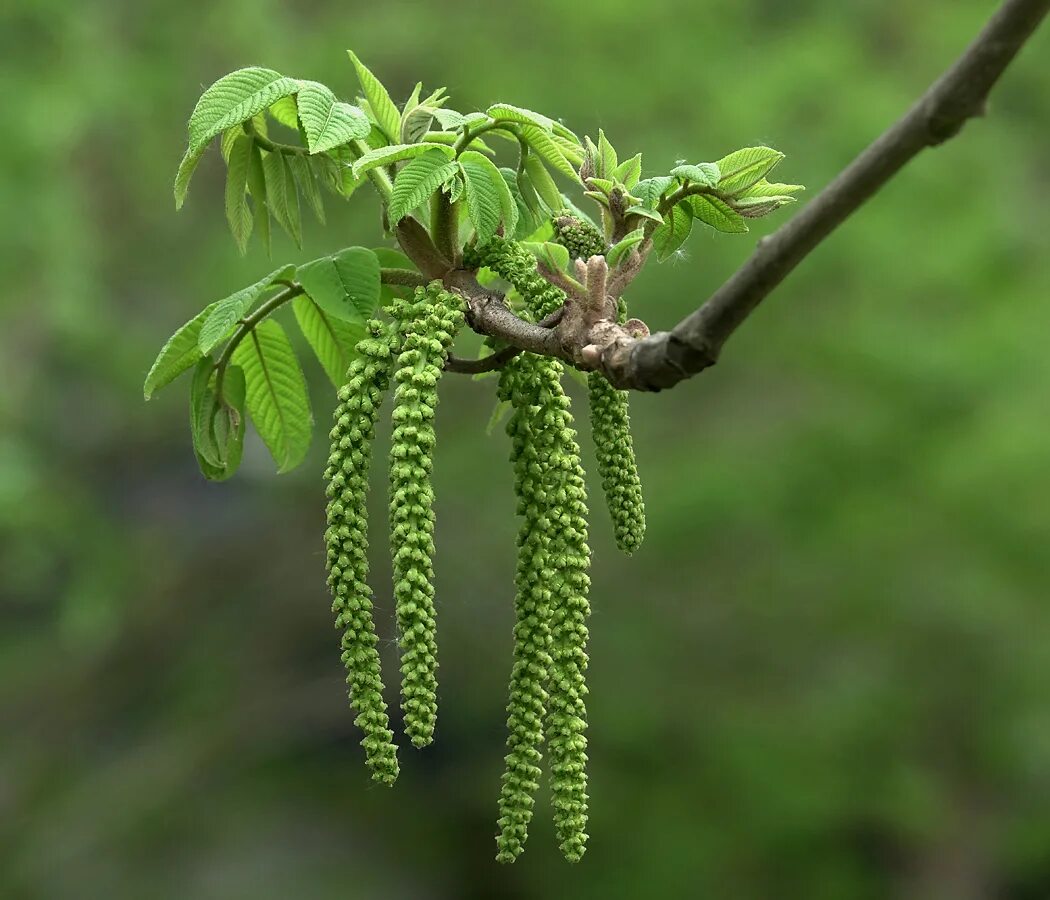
<point x="825" y="674"/>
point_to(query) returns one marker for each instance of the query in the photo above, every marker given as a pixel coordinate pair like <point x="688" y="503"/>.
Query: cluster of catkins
<point x="548" y="677"/>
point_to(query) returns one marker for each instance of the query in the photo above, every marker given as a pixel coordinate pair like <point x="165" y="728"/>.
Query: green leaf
<point x="202" y="409"/>
<point x="629" y="171"/>
<point x="525" y="220"/>
<point x="717" y="213"/>
<point x="543" y="183"/>
<point x="757" y="207"/>
<point x="667" y="238"/>
<point x="619" y="250"/>
<point x="743" y="168"/>
<point x="484" y="185"/>
<point x="282" y="196"/>
<point x="329" y="122"/>
<point x="706" y="174"/>
<point x="504" y="112"/>
<point x="569" y="149"/>
<point x="180" y="352"/>
<point x="417" y="181"/>
<point x="554" y="256"/>
<point x="285" y="112"/>
<point x="644" y="212"/>
<point x="546" y="146"/>
<point x="606" y="156"/>
<point x="604" y="185"/>
<point x="345" y="285"/>
<point x="276" y="394"/>
<point x="238" y="214"/>
<point x="225" y="313"/>
<point x="257" y="186"/>
<point x="386" y="113"/>
<point x="304" y="177"/>
<point x="651" y="190"/>
<point x="765" y="188"/>
<point x="332" y="340"/>
<point x="217" y="423"/>
<point x="384" y="156"/>
<point x="449" y="119"/>
<point x="235" y="98"/>
<point x="185" y="173"/>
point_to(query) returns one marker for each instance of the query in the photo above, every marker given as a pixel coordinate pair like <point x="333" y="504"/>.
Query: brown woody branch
<point x="663" y="359"/>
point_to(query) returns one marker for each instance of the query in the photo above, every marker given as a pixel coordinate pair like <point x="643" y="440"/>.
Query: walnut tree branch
<point x="665" y="358"/>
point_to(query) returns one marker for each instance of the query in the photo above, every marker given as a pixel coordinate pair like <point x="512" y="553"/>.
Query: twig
<point x="665" y="358"/>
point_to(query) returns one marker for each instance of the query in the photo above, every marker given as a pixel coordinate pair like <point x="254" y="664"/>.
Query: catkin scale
<point x="346" y="540"/>
<point x="427" y="326"/>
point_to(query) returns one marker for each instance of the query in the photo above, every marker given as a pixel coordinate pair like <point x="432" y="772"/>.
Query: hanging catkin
<point x="346" y="539"/>
<point x="614" y="449"/>
<point x="561" y="500"/>
<point x="428" y="325"/>
<point x="566" y="499"/>
<point x="526" y="707"/>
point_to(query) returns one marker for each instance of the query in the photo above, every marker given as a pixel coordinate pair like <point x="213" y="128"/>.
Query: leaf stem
<point x="248" y="324"/>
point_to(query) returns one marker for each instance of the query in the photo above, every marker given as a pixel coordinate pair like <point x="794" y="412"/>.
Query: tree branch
<point x="665" y="358"/>
<point x="498" y="359"/>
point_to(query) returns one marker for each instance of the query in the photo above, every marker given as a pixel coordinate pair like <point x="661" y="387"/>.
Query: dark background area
<point x="824" y="675"/>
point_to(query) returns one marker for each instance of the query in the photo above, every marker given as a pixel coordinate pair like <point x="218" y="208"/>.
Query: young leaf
<point x="233" y="99"/>
<point x="743" y="168"/>
<point x="545" y="145"/>
<point x="717" y="213"/>
<point x="504" y="112"/>
<point x="282" y="196"/>
<point x="276" y="393"/>
<point x="667" y="238"/>
<point x="623" y="247"/>
<point x="651" y="190"/>
<point x="524" y="219"/>
<point x="225" y="313"/>
<point x="384" y="156"/>
<point x="543" y="183"/>
<point x="449" y="119"/>
<point x="606" y="156"/>
<point x="386" y="114"/>
<point x="644" y="212"/>
<point x="180" y="352"/>
<point x="329" y="122"/>
<point x="706" y="174"/>
<point x="756" y="207"/>
<point x="257" y="186"/>
<point x="765" y="188"/>
<point x="570" y="149"/>
<point x="484" y="185"/>
<point x="202" y="409"/>
<point x="285" y="112"/>
<point x="304" y="178"/>
<point x="345" y="285"/>
<point x="629" y="171"/>
<point x="417" y="181"/>
<point x="332" y="340"/>
<point x="238" y="214"/>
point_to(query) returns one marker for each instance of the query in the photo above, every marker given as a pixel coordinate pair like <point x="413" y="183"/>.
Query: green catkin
<point x="526" y="707"/>
<point x="515" y="264"/>
<point x="427" y="327"/>
<point x="580" y="238"/>
<point x="614" y="449"/>
<point x="568" y="564"/>
<point x="559" y="501"/>
<point x="346" y="539"/>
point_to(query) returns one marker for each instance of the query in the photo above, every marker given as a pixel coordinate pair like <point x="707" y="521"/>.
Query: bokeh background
<point x="826" y="674"/>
